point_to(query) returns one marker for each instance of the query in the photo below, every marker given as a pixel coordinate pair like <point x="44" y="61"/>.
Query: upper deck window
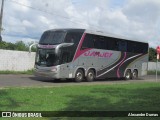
<point x="52" y="37"/>
<point x="88" y="41"/>
<point x="73" y="37"/>
<point x="115" y="44"/>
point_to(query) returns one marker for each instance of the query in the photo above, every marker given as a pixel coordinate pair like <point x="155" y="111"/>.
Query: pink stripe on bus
<point x="79" y="52"/>
<point x="121" y="63"/>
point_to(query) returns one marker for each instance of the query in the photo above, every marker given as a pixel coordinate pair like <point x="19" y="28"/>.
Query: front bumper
<point x="46" y="73"/>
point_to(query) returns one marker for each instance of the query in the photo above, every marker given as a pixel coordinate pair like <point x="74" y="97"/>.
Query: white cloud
<point x="27" y="23"/>
<point x="20" y="7"/>
<point x="44" y="20"/>
<point x="138" y="20"/>
<point x="75" y="17"/>
<point x="143" y="16"/>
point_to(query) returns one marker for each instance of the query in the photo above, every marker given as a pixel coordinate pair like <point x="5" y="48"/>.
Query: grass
<point x="153" y="72"/>
<point x="116" y="97"/>
<point x="29" y="72"/>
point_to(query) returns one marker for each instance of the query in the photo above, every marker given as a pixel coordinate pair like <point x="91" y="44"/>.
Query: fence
<point x="16" y="60"/>
<point x="152" y="66"/>
<point x="23" y="61"/>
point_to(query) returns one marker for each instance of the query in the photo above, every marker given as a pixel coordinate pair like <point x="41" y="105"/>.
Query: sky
<point x="26" y="20"/>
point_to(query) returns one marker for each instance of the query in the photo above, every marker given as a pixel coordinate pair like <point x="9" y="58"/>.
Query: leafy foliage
<point x="152" y="54"/>
<point x="19" y="45"/>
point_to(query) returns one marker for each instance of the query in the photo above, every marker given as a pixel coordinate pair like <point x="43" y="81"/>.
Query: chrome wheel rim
<point x="134" y="74"/>
<point x="128" y="75"/>
<point x="79" y="76"/>
<point x="90" y="75"/>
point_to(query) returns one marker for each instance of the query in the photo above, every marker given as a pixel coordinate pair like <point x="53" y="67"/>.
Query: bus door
<point x="65" y="63"/>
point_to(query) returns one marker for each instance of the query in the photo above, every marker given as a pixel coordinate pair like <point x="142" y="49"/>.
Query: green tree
<point x="34" y="48"/>
<point x="10" y="46"/>
<point x="3" y="45"/>
<point x="152" y="54"/>
<point x="7" y="45"/>
<point x="20" y="45"/>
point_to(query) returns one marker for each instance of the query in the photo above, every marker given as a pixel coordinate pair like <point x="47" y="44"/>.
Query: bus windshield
<point x="46" y="58"/>
<point x="52" y="37"/>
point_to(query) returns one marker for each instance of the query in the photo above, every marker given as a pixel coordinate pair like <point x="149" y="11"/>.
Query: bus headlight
<point x="54" y="69"/>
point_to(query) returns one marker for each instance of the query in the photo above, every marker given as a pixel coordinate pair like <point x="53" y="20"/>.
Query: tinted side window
<point x="137" y="47"/>
<point x="145" y="48"/>
<point x="131" y="46"/>
<point x="141" y="47"/>
<point x="73" y="37"/>
<point x="88" y="41"/>
<point x="100" y="42"/>
<point x="122" y="45"/>
<point x="111" y="43"/>
<point x="66" y="55"/>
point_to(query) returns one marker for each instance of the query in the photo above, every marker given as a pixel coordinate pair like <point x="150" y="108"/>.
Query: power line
<point x="51" y="13"/>
<point x="14" y="34"/>
<point x="20" y="36"/>
<point x="55" y="14"/>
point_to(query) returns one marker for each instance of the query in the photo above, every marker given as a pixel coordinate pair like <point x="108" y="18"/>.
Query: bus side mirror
<point x="30" y="47"/>
<point x="62" y="45"/>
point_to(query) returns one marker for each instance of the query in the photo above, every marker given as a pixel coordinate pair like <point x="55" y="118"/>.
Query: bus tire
<point x="128" y="75"/>
<point x="56" y="80"/>
<point x="79" y="76"/>
<point x="90" y="75"/>
<point x="134" y="74"/>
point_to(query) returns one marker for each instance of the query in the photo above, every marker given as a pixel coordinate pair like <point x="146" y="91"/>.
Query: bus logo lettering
<point x="98" y="54"/>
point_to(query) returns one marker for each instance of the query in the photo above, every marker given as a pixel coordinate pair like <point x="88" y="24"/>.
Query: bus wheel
<point x="128" y="75"/>
<point x="79" y="75"/>
<point x="135" y="74"/>
<point x="56" y="80"/>
<point x="90" y="76"/>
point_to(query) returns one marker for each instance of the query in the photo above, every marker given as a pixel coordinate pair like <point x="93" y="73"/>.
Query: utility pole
<point x="1" y="17"/>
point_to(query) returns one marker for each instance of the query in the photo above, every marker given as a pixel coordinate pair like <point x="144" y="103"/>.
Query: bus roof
<point x="96" y="33"/>
<point x="111" y="35"/>
<point x="68" y="29"/>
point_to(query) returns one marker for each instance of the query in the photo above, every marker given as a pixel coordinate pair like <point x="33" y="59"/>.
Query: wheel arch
<point x="126" y="71"/>
<point x="91" y="68"/>
<point x="82" y="68"/>
<point x="136" y="70"/>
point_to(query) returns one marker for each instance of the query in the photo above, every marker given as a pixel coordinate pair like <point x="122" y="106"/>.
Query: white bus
<point x="82" y="54"/>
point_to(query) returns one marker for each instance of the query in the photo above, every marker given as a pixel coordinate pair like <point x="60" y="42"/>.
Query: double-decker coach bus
<point x="86" y="55"/>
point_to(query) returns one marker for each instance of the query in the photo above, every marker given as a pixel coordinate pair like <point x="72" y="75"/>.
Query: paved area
<point x="30" y="80"/>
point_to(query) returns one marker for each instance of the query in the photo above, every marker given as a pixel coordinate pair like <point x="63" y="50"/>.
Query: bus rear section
<point x="85" y="55"/>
